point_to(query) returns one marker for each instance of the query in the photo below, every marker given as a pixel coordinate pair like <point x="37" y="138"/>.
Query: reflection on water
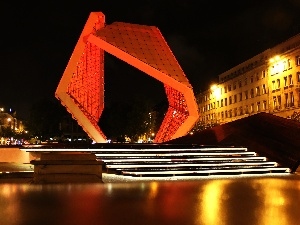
<point x="279" y="201"/>
<point x="210" y="198"/>
<point x="207" y="202"/>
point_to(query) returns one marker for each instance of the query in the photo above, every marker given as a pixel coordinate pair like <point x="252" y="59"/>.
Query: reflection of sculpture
<point x="81" y="89"/>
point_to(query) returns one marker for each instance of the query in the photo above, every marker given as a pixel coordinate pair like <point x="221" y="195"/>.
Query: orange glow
<point x="275" y="59"/>
<point x="216" y="92"/>
<point x="210" y="199"/>
<point x="275" y="202"/>
<point x="81" y="88"/>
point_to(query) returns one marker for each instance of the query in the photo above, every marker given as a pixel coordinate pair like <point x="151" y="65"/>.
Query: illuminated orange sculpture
<point x="81" y="89"/>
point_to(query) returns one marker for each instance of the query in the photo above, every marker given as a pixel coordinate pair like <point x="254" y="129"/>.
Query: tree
<point x="122" y="119"/>
<point x="296" y="116"/>
<point x="45" y="117"/>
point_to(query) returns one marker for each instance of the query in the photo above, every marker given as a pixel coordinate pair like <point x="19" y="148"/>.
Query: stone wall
<point x="14" y="154"/>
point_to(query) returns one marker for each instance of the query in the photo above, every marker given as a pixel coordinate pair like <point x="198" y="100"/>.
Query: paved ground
<point x="243" y="201"/>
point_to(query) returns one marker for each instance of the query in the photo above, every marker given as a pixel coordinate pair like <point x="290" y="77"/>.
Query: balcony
<point x="289" y="105"/>
<point x="277" y="108"/>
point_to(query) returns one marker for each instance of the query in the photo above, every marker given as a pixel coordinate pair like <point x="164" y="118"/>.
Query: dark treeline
<point x="48" y="118"/>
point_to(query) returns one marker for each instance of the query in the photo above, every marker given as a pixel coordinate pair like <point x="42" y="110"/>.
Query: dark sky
<point x="206" y="37"/>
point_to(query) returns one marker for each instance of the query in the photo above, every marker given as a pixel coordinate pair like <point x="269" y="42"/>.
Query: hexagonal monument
<point x="81" y="88"/>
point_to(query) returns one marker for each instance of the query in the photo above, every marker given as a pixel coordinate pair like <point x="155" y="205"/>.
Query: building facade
<point x="268" y="82"/>
<point x="9" y="126"/>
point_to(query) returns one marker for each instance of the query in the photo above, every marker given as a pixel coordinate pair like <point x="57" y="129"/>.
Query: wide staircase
<point x="159" y="160"/>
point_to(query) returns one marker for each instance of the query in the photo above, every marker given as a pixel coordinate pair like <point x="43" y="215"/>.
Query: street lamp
<point x="277" y="65"/>
<point x="216" y="96"/>
<point x="216" y="91"/>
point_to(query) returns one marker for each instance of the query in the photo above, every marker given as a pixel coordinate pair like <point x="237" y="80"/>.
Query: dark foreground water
<point x="251" y="201"/>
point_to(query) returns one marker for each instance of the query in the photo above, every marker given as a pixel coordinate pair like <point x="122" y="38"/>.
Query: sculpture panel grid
<point x="140" y="46"/>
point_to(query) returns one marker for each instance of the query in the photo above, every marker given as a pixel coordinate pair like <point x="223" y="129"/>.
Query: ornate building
<point x="268" y="82"/>
<point x="9" y="125"/>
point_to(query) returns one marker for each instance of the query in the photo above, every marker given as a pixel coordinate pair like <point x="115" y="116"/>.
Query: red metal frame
<point x="81" y="88"/>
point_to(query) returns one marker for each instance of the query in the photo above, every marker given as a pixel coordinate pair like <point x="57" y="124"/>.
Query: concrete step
<point x="186" y="162"/>
<point x="177" y="160"/>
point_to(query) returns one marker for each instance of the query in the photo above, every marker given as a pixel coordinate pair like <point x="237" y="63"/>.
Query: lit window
<point x="274" y="102"/>
<point x="284" y="66"/>
<point x="246" y="94"/>
<point x="257" y="77"/>
<point x="278" y="83"/>
<point x="289" y="64"/>
<point x="263" y="74"/>
<point x="251" y="93"/>
<point x="240" y="83"/>
<point x="279" y="101"/>
<point x="297" y="60"/>
<point x="264" y="91"/>
<point x="286" y="100"/>
<point x="252" y="108"/>
<point x="235" y="111"/>
<point x="258" y="106"/>
<point x="291" y="80"/>
<point x="285" y="81"/>
<point x="257" y="91"/>
<point x="241" y="110"/>
<point x="273" y="85"/>
<point x="246" y="109"/>
<point x="272" y="70"/>
<point x="264" y="105"/>
<point x="275" y="69"/>
<point x="291" y="99"/>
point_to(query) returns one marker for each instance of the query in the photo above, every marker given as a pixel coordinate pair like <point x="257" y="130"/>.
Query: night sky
<point x="206" y="37"/>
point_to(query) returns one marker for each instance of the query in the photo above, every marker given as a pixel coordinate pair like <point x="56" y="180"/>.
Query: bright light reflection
<point x="109" y="188"/>
<point x="153" y="190"/>
<point x="211" y="203"/>
<point x="6" y="190"/>
<point x="216" y="91"/>
<point x="274" y="203"/>
<point x="11" y="204"/>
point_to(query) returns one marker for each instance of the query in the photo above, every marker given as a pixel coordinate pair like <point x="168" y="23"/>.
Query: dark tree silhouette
<point x="45" y="117"/>
<point x="122" y="119"/>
